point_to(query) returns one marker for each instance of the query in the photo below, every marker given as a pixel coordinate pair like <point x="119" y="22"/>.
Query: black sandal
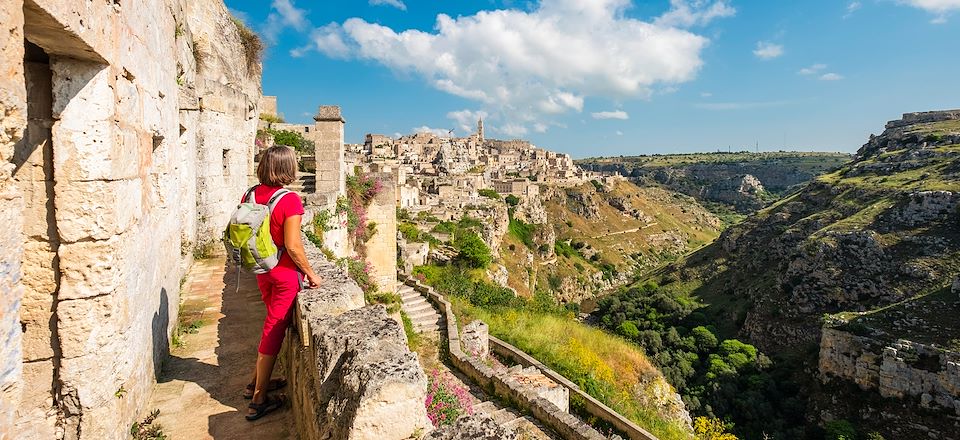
<point x="269" y="405"/>
<point x="273" y="385"/>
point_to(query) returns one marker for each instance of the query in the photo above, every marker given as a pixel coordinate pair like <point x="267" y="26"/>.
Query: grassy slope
<point x="603" y="365"/>
<point x="853" y="198"/>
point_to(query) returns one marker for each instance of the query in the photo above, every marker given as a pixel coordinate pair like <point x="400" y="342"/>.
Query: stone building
<point x="126" y="139"/>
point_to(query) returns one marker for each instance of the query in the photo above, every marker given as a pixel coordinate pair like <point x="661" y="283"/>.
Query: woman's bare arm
<point x="294" y="247"/>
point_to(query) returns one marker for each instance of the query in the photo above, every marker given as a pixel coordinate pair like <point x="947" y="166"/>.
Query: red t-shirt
<point x="288" y="205"/>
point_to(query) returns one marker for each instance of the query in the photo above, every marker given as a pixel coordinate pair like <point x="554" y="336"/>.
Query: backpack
<point x="247" y="237"/>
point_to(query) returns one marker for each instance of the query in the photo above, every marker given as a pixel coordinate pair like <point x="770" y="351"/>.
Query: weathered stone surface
<point x="475" y="338"/>
<point x="368" y="384"/>
<point x="107" y="243"/>
<point x="901" y="369"/>
<point x="473" y="427"/>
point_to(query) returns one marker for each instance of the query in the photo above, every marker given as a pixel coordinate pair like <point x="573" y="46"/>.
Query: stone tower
<point x="328" y="141"/>
<point x="480" y="129"/>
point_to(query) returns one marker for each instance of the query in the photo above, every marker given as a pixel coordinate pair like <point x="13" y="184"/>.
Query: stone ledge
<point x="351" y="373"/>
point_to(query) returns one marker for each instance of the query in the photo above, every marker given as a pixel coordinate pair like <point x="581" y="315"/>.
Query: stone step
<point x="414" y="301"/>
<point x="405" y="288"/>
<point x="427" y="315"/>
<point x="426" y="322"/>
<point x="484" y="408"/>
<point x="504" y="415"/>
<point x="527" y="429"/>
<point x="417" y="311"/>
<point x="416" y="305"/>
<point x="427" y="329"/>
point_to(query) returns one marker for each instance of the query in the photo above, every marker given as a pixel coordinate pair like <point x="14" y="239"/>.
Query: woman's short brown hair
<point x="278" y="166"/>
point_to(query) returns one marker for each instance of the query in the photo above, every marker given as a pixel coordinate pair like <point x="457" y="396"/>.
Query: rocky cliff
<point x="744" y="181"/>
<point x="879" y="231"/>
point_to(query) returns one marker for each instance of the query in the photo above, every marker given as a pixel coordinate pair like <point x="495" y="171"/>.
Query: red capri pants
<point x="278" y="289"/>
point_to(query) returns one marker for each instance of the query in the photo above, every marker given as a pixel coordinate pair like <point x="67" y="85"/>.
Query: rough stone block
<point x="97" y="210"/>
<point x="475" y="338"/>
<point x="369" y="376"/>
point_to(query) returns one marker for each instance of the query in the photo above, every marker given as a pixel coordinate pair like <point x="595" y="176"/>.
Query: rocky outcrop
<point x="898" y="369"/>
<point x="473" y="427"/>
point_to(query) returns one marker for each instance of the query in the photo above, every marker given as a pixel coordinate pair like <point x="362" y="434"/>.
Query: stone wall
<point x="901" y="369"/>
<point x="131" y="108"/>
<point x="351" y="373"/>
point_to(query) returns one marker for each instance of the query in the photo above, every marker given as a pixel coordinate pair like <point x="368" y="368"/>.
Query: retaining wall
<point x="568" y="426"/>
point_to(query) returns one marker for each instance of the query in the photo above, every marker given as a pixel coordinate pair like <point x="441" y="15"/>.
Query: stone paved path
<point x="199" y="391"/>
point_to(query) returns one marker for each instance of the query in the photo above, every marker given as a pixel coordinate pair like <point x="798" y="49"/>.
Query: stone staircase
<point x="526" y="427"/>
<point x="425" y="318"/>
<point x="305" y="183"/>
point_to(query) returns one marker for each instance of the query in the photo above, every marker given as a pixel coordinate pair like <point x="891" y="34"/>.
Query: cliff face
<point x="879" y="231"/>
<point x="740" y="180"/>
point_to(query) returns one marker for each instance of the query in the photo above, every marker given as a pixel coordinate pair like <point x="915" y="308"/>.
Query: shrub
<point x="489" y="193"/>
<point x="523" y="232"/>
<point x="471" y="250"/>
<point x="703" y="338"/>
<point x="252" y="45"/>
<point x="840" y="430"/>
<point x="629" y="330"/>
<point x="512" y="200"/>
<point x="446" y="400"/>
<point x="711" y="429"/>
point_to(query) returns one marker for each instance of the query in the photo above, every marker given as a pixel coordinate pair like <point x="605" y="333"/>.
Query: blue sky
<point x="611" y="77"/>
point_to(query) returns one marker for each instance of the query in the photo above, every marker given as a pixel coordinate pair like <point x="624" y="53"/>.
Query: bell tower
<point x="480" y="129"/>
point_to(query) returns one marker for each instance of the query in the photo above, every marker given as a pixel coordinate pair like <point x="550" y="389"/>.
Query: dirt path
<point x="199" y="391"/>
<point x="626" y="231"/>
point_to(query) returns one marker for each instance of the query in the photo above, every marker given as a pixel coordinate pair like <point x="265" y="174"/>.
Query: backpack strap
<point x="275" y="198"/>
<point x="251" y="197"/>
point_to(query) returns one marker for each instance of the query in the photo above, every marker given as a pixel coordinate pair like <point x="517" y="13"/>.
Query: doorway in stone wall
<point x="33" y="159"/>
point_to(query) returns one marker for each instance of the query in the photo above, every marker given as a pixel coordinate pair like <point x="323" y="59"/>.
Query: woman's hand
<point x="313" y="280"/>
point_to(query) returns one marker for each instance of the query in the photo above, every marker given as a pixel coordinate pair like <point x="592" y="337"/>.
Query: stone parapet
<point x="350" y="371"/>
<point x="924" y="117"/>
<point x="521" y="395"/>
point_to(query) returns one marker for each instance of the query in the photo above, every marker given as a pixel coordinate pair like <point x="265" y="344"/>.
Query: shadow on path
<point x="199" y="390"/>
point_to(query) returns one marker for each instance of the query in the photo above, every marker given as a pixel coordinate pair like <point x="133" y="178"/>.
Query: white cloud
<point x="467" y="119"/>
<point x="767" y="51"/>
<point x="617" y="114"/>
<point x="831" y="77"/>
<point x="241" y="15"/>
<point x="812" y="70"/>
<point x="705" y="94"/>
<point x="395" y="3"/>
<point x="685" y="13"/>
<point x="328" y="41"/>
<point x="940" y="7"/>
<point x="441" y="132"/>
<point x="540" y="128"/>
<point x="851" y="8"/>
<point x="284" y="14"/>
<point x="619" y="133"/>
<point x="525" y="66"/>
<point x="512" y="130"/>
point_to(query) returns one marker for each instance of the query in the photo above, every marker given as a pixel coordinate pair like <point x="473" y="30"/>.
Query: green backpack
<point x="247" y="237"/>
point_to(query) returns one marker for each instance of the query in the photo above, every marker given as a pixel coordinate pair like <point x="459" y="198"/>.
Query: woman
<point x="279" y="287"/>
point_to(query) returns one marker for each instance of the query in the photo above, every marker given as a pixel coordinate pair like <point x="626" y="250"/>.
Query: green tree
<point x="512" y="200"/>
<point x="703" y="338"/>
<point x="840" y="430"/>
<point x="629" y="330"/>
<point x="489" y="193"/>
<point x="472" y="251"/>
